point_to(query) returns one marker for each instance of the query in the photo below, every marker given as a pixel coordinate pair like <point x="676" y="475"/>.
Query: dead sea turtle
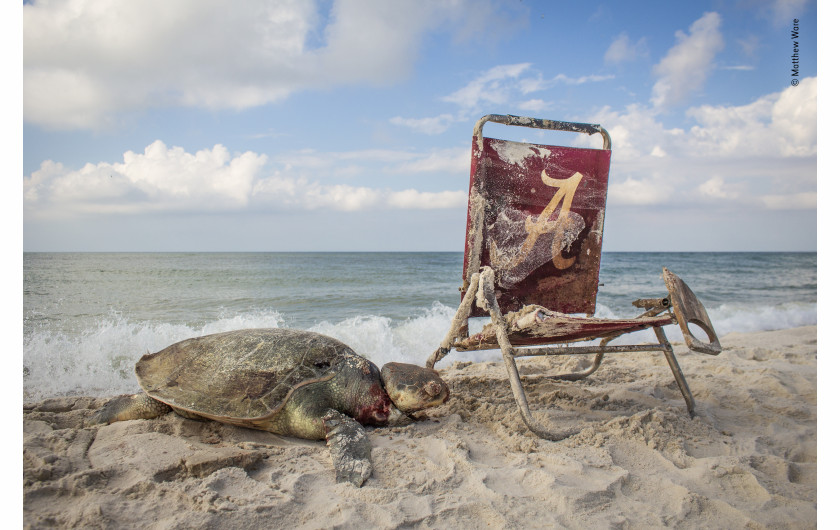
<point x="289" y="382"/>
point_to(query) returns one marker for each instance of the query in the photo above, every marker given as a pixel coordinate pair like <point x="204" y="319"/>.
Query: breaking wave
<point x="99" y="360"/>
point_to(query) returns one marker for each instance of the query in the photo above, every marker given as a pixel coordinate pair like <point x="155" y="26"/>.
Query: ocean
<point x="88" y="317"/>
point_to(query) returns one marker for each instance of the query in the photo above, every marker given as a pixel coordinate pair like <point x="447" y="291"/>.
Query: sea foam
<point x="100" y="360"/>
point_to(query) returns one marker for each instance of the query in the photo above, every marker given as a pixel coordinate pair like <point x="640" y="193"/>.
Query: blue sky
<point x="292" y="126"/>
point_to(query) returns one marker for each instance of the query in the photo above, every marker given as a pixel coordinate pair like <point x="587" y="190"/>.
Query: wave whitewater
<point x="99" y="360"/>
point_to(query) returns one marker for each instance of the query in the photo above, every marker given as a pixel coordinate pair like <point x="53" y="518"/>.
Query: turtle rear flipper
<point x="129" y="407"/>
<point x="349" y="448"/>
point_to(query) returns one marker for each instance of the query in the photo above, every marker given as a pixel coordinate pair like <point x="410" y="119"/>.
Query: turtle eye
<point x="322" y="364"/>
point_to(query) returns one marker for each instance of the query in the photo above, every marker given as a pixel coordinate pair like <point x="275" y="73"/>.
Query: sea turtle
<point x="289" y="382"/>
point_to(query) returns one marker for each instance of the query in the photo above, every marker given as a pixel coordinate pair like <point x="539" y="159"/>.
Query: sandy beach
<point x="748" y="460"/>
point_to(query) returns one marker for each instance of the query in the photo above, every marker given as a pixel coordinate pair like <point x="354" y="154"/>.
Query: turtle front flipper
<point x="349" y="448"/>
<point x="129" y="407"/>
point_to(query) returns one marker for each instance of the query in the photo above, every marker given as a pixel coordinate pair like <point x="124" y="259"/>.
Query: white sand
<point x="749" y="460"/>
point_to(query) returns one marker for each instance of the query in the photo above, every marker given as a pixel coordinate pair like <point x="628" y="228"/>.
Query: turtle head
<point x="412" y="388"/>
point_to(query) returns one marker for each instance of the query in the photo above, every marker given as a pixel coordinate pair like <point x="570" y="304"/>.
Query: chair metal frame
<point x="517" y="333"/>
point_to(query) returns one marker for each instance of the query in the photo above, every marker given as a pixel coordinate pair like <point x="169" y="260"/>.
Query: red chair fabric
<point x="536" y="217"/>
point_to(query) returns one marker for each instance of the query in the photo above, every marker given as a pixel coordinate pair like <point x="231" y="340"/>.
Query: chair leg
<point x="487" y="300"/>
<point x="459" y="323"/>
<point x="596" y="363"/>
<point x="522" y="402"/>
<point x="577" y="376"/>
<point x="668" y="350"/>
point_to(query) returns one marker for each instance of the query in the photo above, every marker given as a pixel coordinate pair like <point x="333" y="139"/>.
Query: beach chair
<point x="532" y="257"/>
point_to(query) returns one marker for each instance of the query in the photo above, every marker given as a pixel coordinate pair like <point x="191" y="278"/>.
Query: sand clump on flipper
<point x="747" y="460"/>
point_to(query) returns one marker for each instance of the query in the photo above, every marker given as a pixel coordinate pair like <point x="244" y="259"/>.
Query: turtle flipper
<point x="349" y="448"/>
<point x="129" y="407"/>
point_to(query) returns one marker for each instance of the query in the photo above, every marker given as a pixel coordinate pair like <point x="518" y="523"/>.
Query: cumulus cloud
<point x="502" y="85"/>
<point x="453" y="160"/>
<point x="493" y="86"/>
<point x="435" y="125"/>
<point x="425" y="200"/>
<point x="582" y="79"/>
<point x="534" y="83"/>
<point x="783" y="123"/>
<point x="622" y="50"/>
<point x="169" y="179"/>
<point x="794" y="201"/>
<point x="635" y="131"/>
<point x="534" y="105"/>
<point x="160" y="178"/>
<point x="350" y="164"/>
<point x="716" y="188"/>
<point x="86" y="63"/>
<point x="300" y="193"/>
<point x="750" y="45"/>
<point x="640" y="192"/>
<point x="741" y="153"/>
<point x="686" y="66"/>
<point x="783" y="12"/>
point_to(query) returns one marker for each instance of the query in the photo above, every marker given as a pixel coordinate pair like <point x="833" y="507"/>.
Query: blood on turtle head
<point x="385" y="397"/>
<point x="412" y="388"/>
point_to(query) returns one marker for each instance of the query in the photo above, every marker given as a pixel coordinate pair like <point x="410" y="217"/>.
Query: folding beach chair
<point x="532" y="257"/>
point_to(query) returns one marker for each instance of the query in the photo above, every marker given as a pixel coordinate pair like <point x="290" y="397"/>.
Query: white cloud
<point x="436" y="125"/>
<point x="495" y="86"/>
<point x="502" y="85"/>
<point x="534" y="105"/>
<point x="413" y="199"/>
<point x="759" y="154"/>
<point x="622" y="50"/>
<point x="453" y="160"/>
<point x="658" y="152"/>
<point x="385" y="34"/>
<point x="169" y="179"/>
<point x="277" y="192"/>
<point x="640" y="192"/>
<point x="582" y="79"/>
<point x="784" y="11"/>
<point x="685" y="68"/>
<point x="794" y="201"/>
<point x="635" y="131"/>
<point x="160" y="178"/>
<point x="537" y="83"/>
<point x="716" y="188"/>
<point x="750" y="45"/>
<point x="324" y="164"/>
<point x="86" y="63"/>
<point x="794" y="118"/>
<point x="533" y="84"/>
<point x="300" y="193"/>
<point x="783" y="124"/>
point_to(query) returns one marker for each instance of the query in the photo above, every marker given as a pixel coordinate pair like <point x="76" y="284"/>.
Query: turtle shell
<point x="246" y="374"/>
